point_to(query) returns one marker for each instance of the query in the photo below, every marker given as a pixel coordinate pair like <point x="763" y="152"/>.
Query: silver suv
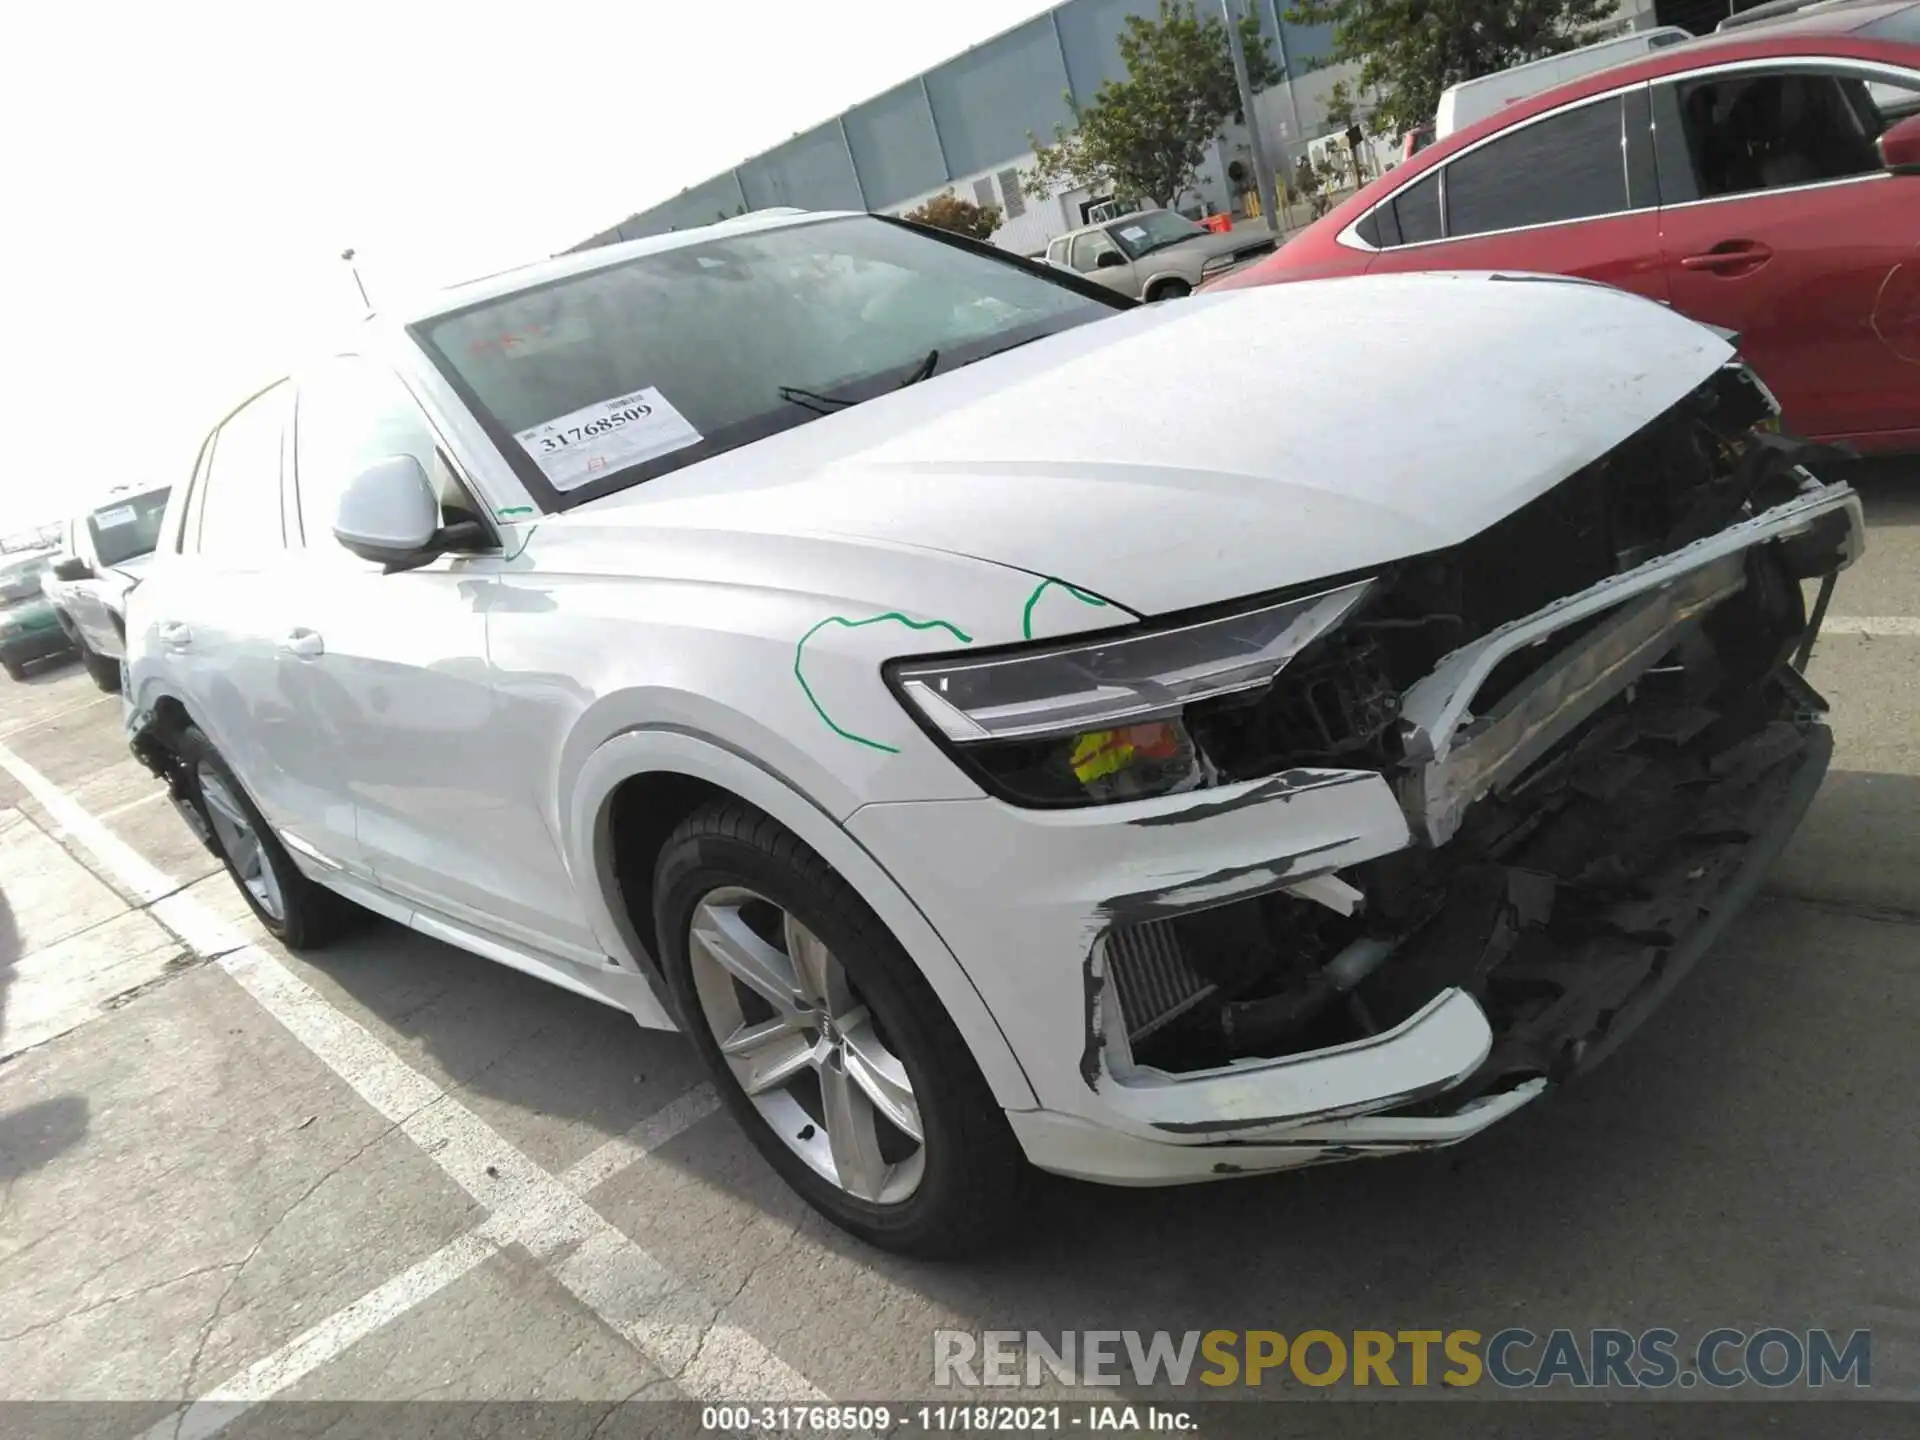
<point x="1156" y="254"/>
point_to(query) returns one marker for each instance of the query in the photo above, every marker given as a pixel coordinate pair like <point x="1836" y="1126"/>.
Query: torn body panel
<point x="1448" y="858"/>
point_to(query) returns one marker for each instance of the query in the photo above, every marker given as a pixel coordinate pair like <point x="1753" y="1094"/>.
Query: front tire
<point x="1169" y="290"/>
<point x="827" y="1043"/>
<point x="295" y="911"/>
<point x="15" y="670"/>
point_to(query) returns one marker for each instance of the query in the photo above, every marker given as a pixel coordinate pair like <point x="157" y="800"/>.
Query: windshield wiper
<point x="813" y="400"/>
<point x="1163" y="244"/>
<point x="922" y="370"/>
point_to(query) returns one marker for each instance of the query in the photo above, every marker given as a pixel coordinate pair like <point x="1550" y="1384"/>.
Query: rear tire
<point x="947" y="1191"/>
<point x="295" y="911"/>
<point x="103" y="671"/>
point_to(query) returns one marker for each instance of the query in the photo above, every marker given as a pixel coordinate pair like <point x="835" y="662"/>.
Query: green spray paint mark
<point x="1026" y="616"/>
<point x="513" y="510"/>
<point x="813" y="700"/>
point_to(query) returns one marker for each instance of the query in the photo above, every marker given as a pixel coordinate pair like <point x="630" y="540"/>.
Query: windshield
<point x="1152" y="230"/>
<point x="599" y="381"/>
<point x="127" y="528"/>
<point x="20" y="580"/>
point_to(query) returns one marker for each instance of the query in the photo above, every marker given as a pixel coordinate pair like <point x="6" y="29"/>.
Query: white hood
<point x="1215" y="447"/>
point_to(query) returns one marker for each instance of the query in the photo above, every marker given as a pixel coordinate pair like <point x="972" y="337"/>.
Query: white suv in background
<point x="999" y="723"/>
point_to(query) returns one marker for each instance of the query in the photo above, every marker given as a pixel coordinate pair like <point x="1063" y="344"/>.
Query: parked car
<point x="1476" y="99"/>
<point x="29" y="629"/>
<point x="1156" y="254"/>
<point x="982" y="717"/>
<point x="1770" y="185"/>
<point x="105" y="553"/>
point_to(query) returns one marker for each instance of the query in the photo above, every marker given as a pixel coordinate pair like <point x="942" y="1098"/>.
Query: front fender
<point x="587" y="839"/>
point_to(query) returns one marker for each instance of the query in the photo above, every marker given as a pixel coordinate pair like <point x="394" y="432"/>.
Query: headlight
<point x="1101" y="720"/>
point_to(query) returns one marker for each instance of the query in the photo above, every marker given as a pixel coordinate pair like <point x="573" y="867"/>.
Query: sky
<point x="180" y="178"/>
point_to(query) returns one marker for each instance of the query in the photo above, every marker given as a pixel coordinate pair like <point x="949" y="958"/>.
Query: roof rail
<point x="1773" y="10"/>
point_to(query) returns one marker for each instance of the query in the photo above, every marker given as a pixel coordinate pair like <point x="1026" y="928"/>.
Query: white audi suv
<point x="1000" y="724"/>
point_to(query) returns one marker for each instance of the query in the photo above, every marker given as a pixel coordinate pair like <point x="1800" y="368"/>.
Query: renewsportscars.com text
<point x="1514" y="1358"/>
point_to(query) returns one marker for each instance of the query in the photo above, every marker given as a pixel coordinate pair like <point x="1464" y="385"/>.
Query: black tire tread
<point x="989" y="1185"/>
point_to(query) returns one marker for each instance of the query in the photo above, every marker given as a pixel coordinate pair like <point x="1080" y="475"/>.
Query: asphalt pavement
<point x="392" y="1171"/>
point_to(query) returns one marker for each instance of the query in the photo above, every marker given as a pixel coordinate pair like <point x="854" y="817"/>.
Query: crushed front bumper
<point x="1477" y="1018"/>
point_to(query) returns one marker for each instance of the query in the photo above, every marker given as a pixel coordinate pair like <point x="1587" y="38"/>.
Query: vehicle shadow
<point x="50" y="671"/>
<point x="35" y="1133"/>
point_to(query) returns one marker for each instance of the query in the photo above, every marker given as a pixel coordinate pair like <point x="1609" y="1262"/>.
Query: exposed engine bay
<point x="1597" y="757"/>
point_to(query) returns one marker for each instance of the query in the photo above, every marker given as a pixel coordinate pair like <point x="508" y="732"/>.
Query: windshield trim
<point x="554" y="501"/>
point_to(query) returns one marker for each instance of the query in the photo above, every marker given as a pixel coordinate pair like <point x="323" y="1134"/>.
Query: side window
<point x="1567" y="167"/>
<point x="240" y="497"/>
<point x="1416" y="211"/>
<point x="351" y="413"/>
<point x="1088" y="248"/>
<point x="1751" y="131"/>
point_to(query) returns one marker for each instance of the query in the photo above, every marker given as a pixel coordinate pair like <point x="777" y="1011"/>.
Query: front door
<point x="395" y="668"/>
<point x="1787" y="230"/>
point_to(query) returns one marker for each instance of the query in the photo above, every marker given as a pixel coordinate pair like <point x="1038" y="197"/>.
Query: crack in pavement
<point x="110" y="1300"/>
<point x="219" y="1306"/>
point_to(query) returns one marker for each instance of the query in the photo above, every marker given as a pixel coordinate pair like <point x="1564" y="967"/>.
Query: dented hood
<point x="1186" y="453"/>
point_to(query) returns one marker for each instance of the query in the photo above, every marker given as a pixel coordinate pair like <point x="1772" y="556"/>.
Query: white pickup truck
<point x="104" y="553"/>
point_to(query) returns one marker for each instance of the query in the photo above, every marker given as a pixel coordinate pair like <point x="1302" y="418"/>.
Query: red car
<point x="1766" y="180"/>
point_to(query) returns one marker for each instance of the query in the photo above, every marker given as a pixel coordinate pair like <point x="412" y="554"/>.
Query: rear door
<point x="1570" y="192"/>
<point x="1778" y="222"/>
<point x="214" y="611"/>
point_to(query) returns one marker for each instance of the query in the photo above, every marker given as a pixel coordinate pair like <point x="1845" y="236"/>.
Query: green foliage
<point x="1411" y="50"/>
<point x="1146" y="136"/>
<point x="947" y="211"/>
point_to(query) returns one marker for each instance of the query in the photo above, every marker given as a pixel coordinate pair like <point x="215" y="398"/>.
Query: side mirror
<point x="71" y="568"/>
<point x="1899" y="147"/>
<point x="1109" y="260"/>
<point x="388" y="512"/>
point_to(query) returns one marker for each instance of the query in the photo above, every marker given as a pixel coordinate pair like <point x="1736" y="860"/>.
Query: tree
<point x="947" y="211"/>
<point x="1411" y="50"/>
<point x="1145" y="137"/>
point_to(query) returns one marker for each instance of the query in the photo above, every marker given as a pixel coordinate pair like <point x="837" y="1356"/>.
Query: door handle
<point x="174" y="635"/>
<point x="304" y="643"/>
<point x="1729" y="257"/>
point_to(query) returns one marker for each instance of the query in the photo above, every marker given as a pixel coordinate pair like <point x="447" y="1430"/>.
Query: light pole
<point x="347" y="255"/>
<point x="1263" y="177"/>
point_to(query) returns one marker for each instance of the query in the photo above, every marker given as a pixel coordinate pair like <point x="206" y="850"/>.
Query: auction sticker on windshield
<point x="112" y="519"/>
<point x="581" y="446"/>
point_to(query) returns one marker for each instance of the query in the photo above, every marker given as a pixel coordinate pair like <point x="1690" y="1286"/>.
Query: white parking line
<point x="1904" y="625"/>
<point x="681" y="1332"/>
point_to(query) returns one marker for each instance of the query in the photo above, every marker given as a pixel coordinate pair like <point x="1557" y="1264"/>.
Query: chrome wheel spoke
<point x="851" y="1135"/>
<point x="724" y="935"/>
<point x="821" y="980"/>
<point x="796" y="1036"/>
<point x="879" y="1074"/>
<point x="222" y="804"/>
<point x="769" y="1054"/>
<point x="240" y="842"/>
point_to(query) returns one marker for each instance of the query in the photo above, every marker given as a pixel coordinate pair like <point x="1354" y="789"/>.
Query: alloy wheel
<point x="240" y="843"/>
<point x="804" y="1046"/>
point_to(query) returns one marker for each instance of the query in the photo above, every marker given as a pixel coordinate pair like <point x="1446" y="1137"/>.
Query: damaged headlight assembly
<point x="1102" y="720"/>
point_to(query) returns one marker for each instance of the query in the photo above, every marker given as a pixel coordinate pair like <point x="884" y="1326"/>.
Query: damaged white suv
<point x="1000" y="724"/>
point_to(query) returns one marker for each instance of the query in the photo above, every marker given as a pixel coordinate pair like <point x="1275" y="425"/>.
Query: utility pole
<point x="347" y="255"/>
<point x="1262" y="174"/>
